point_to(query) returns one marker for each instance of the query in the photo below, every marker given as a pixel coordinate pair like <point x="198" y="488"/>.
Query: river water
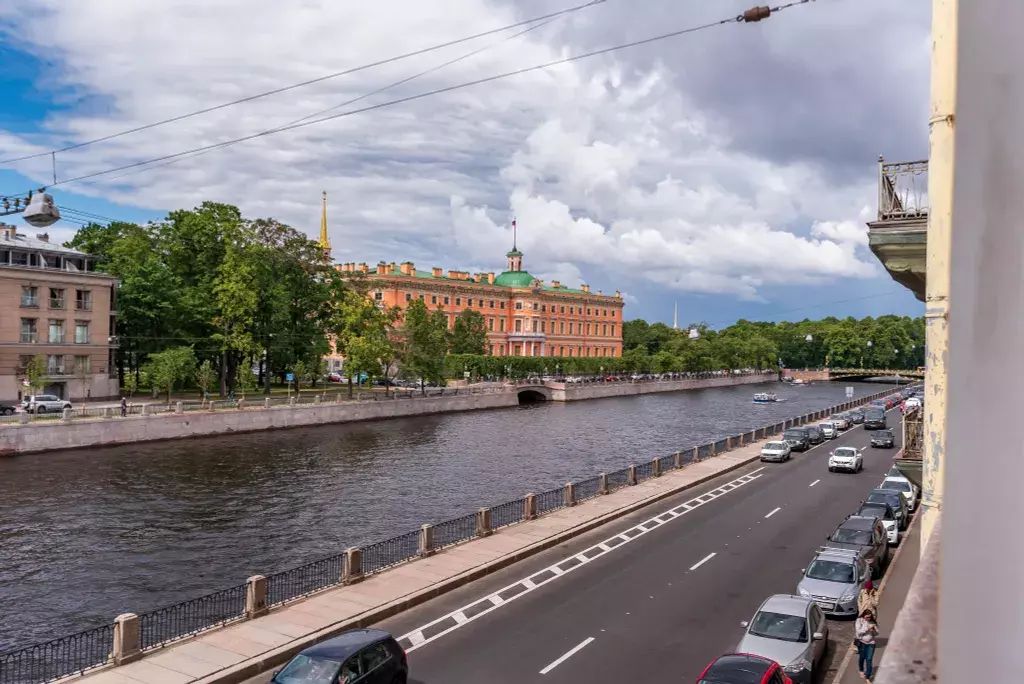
<point x="86" y="535"/>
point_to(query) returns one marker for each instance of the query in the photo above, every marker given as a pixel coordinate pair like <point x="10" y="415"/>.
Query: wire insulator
<point x="756" y="14"/>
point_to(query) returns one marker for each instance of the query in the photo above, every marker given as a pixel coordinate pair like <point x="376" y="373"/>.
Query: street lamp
<point x="38" y="210"/>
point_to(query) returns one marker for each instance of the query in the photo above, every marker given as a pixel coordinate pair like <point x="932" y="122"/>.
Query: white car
<point x="904" y="487"/>
<point x="845" y="458"/>
<point x="776" y="451"/>
<point x="41" y="403"/>
<point x="828" y="430"/>
<point x="840" y="421"/>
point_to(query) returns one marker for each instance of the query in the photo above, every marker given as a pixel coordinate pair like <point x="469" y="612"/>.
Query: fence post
<point x="602" y="483"/>
<point x="631" y="477"/>
<point x="24" y="417"/>
<point x="107" y="413"/>
<point x="679" y="460"/>
<point x="291" y="401"/>
<point x="66" y="416"/>
<point x="256" y="597"/>
<point x="145" y="409"/>
<point x="127" y="639"/>
<point x="656" y="467"/>
<point x="426" y="540"/>
<point x="266" y="402"/>
<point x="530" y="507"/>
<point x="483" y="522"/>
<point x="317" y="400"/>
<point x="240" y="404"/>
<point x="352" y="571"/>
<point x="179" y="408"/>
<point x="696" y="455"/>
<point x="570" y="494"/>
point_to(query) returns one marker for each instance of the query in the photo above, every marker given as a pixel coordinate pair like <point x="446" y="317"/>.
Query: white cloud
<point x="611" y="169"/>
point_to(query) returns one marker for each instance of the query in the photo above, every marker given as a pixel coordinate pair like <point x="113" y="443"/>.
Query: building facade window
<point x="519" y="325"/>
<point x="501" y="325"/>
<point x="29" y="335"/>
<point x="378" y="296"/>
<point x="422" y="297"/>
<point x="83" y="365"/>
<point x="81" y="332"/>
<point x="491" y="304"/>
<point x="490" y="324"/>
<point x="458" y="301"/>
<point x="56" y="331"/>
<point x="561" y="327"/>
<point x="501" y="305"/>
<point x="447" y="301"/>
<point x="408" y="297"/>
<point x="519" y="306"/>
<point x="56" y="298"/>
<point x="55" y="364"/>
<point x="433" y="299"/>
<point x="29" y="295"/>
<point x="83" y="300"/>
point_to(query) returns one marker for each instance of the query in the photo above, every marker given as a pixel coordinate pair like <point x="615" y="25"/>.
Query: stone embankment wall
<point x="626" y="389"/>
<point x="806" y="375"/>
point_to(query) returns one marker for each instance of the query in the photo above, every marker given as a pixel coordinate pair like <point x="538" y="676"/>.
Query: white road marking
<point x="527" y="585"/>
<point x="573" y="651"/>
<point x="773" y="512"/>
<point x="814" y="483"/>
<point x="703" y="561"/>
<point x="460" y="617"/>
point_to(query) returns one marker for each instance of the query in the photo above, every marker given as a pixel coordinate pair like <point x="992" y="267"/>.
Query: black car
<point x="884" y="439"/>
<point x="799" y="439"/>
<point x="874" y="419"/>
<point x="7" y="410"/>
<point x="867" y="535"/>
<point x="815" y="434"/>
<point x="898" y="504"/>
<point x="369" y="656"/>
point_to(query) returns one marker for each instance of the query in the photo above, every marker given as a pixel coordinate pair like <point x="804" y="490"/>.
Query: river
<point x="88" y="534"/>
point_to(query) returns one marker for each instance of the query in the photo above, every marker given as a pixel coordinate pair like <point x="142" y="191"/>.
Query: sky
<point x="728" y="172"/>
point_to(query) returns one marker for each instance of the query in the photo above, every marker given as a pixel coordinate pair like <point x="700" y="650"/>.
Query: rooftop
<point x="11" y="239"/>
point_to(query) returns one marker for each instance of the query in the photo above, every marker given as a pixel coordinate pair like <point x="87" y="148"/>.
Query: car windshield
<point x="879" y="510"/>
<point x="775" y="446"/>
<point x="882" y="434"/>
<point x="779" y="626"/>
<point x="884" y="497"/>
<point x="794" y="434"/>
<point x="874" y="414"/>
<point x="898" y="485"/>
<point x="845" y="452"/>
<point x="308" y="670"/>
<point x="844" y="535"/>
<point x="831" y="571"/>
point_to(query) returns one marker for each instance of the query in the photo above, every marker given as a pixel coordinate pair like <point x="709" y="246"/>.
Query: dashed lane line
<point x="773" y="512"/>
<point x="814" y="483"/>
<point x="702" y="561"/>
<point x="573" y="651"/>
<point x="449" y="623"/>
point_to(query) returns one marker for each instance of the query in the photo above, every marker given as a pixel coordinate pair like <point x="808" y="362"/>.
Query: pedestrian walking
<point x="866" y="630"/>
<point x="868" y="599"/>
<point x="124" y="407"/>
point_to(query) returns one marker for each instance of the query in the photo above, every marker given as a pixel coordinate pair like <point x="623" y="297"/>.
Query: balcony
<point x="899" y="236"/>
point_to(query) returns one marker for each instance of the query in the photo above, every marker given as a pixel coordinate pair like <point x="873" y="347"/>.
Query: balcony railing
<point x="902" y="190"/>
<point x="29" y="337"/>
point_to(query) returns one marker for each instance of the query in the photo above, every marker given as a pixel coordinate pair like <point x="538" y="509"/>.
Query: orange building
<point x="524" y="315"/>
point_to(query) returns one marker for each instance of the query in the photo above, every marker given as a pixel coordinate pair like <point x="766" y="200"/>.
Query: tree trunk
<point x="223" y="374"/>
<point x="350" y="387"/>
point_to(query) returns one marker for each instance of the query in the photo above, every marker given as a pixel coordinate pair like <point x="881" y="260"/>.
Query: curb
<point x="269" y="659"/>
<point x="843" y="666"/>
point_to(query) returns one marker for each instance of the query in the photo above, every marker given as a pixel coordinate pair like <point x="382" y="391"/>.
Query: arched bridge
<point x="533" y="394"/>
<point x="861" y="373"/>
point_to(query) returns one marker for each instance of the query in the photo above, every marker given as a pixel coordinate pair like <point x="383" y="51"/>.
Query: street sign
<point x="849" y="392"/>
<point x="290" y="377"/>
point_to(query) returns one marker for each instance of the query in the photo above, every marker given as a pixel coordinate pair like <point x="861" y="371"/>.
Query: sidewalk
<point x="245" y="648"/>
<point x="894" y="590"/>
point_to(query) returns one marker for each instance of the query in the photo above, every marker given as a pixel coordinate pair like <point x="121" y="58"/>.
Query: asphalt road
<point x="657" y="608"/>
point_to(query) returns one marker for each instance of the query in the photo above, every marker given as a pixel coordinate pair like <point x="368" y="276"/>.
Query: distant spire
<point x="675" y="317"/>
<point x="325" y="241"/>
<point x="513" y="235"/>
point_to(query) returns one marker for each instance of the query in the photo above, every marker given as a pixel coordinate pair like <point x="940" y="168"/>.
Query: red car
<point x="743" y="668"/>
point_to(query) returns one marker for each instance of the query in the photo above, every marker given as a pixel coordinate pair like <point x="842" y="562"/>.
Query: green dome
<point x="514" y="279"/>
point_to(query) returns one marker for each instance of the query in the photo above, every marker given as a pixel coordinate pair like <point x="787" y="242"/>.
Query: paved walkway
<point x="246" y="648"/>
<point x="894" y="590"/>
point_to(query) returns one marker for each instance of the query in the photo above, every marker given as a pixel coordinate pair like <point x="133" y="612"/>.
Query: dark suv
<point x="868" y="536"/>
<point x="874" y="418"/>
<point x="798" y="438"/>
<point x="359" y="655"/>
<point x="815" y="434"/>
<point x="884" y="439"/>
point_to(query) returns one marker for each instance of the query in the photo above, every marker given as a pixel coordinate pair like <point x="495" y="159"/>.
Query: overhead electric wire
<point x="407" y="79"/>
<point x="752" y="15"/>
<point x="85" y="214"/>
<point x="320" y="79"/>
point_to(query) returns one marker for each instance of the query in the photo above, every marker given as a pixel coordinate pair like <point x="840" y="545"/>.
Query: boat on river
<point x="765" y="398"/>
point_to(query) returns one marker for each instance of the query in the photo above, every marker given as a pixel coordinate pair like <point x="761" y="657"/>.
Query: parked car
<point x="743" y="668"/>
<point x="815" y="434"/>
<point x="865" y="535"/>
<point x="798" y="439"/>
<point x="776" y="451"/>
<point x="7" y="410"/>
<point x="41" y="403"/>
<point x="885" y="513"/>
<point x="874" y="418"/>
<point x="884" y="439"/>
<point x="792" y="631"/>
<point x="828" y="430"/>
<point x="833" y="580"/>
<point x="896" y="500"/>
<point x="845" y="458"/>
<point x="841" y="421"/>
<point x="856" y="415"/>
<point x="904" y="487"/>
<point x="364" y="655"/>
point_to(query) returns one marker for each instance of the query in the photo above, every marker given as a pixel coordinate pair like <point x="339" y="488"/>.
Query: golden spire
<point x="325" y="241"/>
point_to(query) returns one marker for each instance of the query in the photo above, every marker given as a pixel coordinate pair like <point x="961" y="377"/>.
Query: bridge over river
<point x="88" y="534"/>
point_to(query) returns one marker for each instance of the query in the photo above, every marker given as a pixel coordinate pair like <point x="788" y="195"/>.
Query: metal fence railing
<point x="83" y="651"/>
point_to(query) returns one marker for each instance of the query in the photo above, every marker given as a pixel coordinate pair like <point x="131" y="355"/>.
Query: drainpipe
<point x="941" y="124"/>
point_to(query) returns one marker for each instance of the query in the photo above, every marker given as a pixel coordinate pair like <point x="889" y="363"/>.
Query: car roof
<point x="347" y="643"/>
<point x="837" y="555"/>
<point x="848" y="448"/>
<point x="886" y="492"/>
<point x="858" y="522"/>
<point x="739" y="668"/>
<point x="895" y="478"/>
<point x="786" y="604"/>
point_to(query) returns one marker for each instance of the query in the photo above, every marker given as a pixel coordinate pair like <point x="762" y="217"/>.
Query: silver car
<point x="829" y="430"/>
<point x="833" y="580"/>
<point x="792" y="631"/>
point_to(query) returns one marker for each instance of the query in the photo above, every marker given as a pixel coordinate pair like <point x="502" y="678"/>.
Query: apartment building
<point x="55" y="305"/>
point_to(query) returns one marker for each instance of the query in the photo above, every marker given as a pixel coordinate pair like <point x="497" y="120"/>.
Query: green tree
<point x="425" y="343"/>
<point x="469" y="333"/>
<point x="36" y="373"/>
<point x="245" y="381"/>
<point x="172" y="366"/>
<point x="300" y="369"/>
<point x="206" y="375"/>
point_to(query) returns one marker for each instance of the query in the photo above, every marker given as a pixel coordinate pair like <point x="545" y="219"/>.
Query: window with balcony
<point x="501" y="305"/>
<point x="613" y="330"/>
<point x="19" y="258"/>
<point x="83" y="365"/>
<point x="542" y="327"/>
<point x="533" y="326"/>
<point x="55" y="364"/>
<point x="81" y="332"/>
<point x="83" y="300"/>
<point x="56" y="331"/>
<point x="561" y="327"/>
<point x="29" y="295"/>
<point x="588" y="328"/>
<point x="28" y="331"/>
<point x="56" y="298"/>
<point x="519" y="325"/>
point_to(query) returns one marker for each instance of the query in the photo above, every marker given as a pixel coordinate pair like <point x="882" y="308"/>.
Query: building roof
<point x="514" y="279"/>
<point x="22" y="241"/>
<point x="510" y="279"/>
<point x="514" y="252"/>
